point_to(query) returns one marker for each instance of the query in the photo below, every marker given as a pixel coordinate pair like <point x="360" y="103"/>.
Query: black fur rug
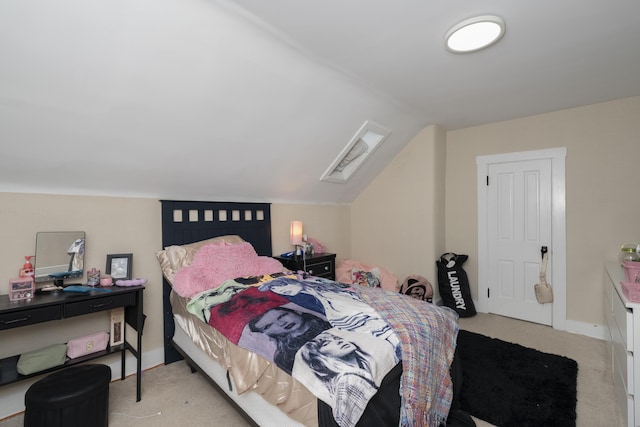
<point x="508" y="385"/>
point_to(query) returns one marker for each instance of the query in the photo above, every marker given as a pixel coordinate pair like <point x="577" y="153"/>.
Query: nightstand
<point x="321" y="265"/>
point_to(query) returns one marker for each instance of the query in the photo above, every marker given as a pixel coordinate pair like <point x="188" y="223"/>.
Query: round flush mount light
<point x="474" y="34"/>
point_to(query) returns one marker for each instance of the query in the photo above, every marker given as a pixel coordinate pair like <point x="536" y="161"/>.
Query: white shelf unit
<point x="623" y="325"/>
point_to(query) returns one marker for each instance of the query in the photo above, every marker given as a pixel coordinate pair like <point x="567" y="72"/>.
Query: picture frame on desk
<point x="119" y="266"/>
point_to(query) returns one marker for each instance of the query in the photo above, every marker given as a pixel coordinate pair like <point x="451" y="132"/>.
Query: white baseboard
<point x="588" y="329"/>
<point x="573" y="326"/>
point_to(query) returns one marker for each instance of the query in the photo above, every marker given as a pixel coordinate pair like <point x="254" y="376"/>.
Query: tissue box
<point x="82" y="346"/>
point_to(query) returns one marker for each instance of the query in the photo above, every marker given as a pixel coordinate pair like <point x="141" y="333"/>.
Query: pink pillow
<point x="217" y="262"/>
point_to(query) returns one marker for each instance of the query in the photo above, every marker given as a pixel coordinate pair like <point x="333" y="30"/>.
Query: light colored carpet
<point x="172" y="396"/>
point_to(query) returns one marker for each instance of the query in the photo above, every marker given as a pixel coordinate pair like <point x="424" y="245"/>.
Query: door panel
<point x="519" y="223"/>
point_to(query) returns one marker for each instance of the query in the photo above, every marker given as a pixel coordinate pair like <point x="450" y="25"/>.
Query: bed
<point x="273" y="390"/>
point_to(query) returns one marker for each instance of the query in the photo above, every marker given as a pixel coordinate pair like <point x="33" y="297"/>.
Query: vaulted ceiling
<point x="254" y="99"/>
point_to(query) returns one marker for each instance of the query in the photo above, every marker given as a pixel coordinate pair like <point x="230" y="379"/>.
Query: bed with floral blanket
<point x="337" y="342"/>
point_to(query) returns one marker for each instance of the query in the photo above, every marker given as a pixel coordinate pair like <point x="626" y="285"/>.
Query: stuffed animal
<point x="417" y="287"/>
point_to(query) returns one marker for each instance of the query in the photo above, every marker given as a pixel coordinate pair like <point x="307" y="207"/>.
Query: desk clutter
<point x="93" y="277"/>
<point x="42" y="359"/>
<point x="56" y="355"/>
<point x="88" y="344"/>
<point x="21" y="288"/>
<point x="86" y="288"/>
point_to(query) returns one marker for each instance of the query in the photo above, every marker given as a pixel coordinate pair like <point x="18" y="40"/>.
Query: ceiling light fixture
<point x="474" y="34"/>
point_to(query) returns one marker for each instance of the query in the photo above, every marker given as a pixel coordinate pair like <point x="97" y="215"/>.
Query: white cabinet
<point x="622" y="318"/>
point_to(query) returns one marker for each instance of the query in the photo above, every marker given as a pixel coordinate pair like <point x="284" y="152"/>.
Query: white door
<point x="519" y="213"/>
<point x="521" y="207"/>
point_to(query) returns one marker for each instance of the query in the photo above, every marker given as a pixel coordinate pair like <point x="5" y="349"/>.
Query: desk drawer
<point x="623" y="362"/>
<point x="16" y="319"/>
<point x="625" y="401"/>
<point x="106" y="302"/>
<point x="624" y="320"/>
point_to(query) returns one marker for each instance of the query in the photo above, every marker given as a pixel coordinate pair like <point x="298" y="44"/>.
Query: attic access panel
<point x="357" y="151"/>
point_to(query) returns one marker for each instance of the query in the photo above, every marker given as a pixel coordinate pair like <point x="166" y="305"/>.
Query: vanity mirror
<point x="59" y="256"/>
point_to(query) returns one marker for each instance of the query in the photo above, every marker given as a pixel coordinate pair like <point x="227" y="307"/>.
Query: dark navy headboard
<point x="187" y="222"/>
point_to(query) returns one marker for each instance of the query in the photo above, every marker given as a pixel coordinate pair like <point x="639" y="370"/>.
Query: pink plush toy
<point x="317" y="246"/>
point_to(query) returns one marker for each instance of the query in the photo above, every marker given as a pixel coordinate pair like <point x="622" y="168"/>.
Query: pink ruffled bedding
<point x="214" y="263"/>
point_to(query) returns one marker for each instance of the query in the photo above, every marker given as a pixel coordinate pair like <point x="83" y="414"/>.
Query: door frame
<point x="558" y="247"/>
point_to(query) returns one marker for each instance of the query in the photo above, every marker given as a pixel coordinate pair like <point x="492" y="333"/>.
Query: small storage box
<point x="632" y="271"/>
<point x="631" y="290"/>
<point x="82" y="346"/>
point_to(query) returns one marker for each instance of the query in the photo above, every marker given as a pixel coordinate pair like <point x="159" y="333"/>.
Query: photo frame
<point x="116" y="333"/>
<point x="119" y="266"/>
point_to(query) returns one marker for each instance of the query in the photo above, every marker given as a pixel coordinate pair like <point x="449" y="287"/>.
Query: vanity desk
<point x="61" y="305"/>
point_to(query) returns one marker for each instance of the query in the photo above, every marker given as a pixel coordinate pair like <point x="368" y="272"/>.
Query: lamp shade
<point x="295" y="232"/>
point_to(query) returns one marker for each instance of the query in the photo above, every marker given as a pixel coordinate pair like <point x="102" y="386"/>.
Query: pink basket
<point x="632" y="271"/>
<point x="631" y="291"/>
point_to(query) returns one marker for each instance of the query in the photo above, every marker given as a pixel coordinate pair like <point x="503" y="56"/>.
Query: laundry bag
<point x="453" y="284"/>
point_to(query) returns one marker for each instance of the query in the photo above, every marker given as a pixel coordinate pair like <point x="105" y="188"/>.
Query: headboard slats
<point x="190" y="221"/>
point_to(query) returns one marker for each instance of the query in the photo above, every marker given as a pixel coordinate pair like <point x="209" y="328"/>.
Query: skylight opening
<point x="355" y="153"/>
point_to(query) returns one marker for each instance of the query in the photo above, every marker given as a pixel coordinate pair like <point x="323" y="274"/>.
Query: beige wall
<point x="397" y="222"/>
<point x="602" y="198"/>
<point x="329" y="224"/>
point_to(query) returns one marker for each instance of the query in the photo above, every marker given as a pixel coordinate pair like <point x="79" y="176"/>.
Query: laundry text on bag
<point x="455" y="290"/>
